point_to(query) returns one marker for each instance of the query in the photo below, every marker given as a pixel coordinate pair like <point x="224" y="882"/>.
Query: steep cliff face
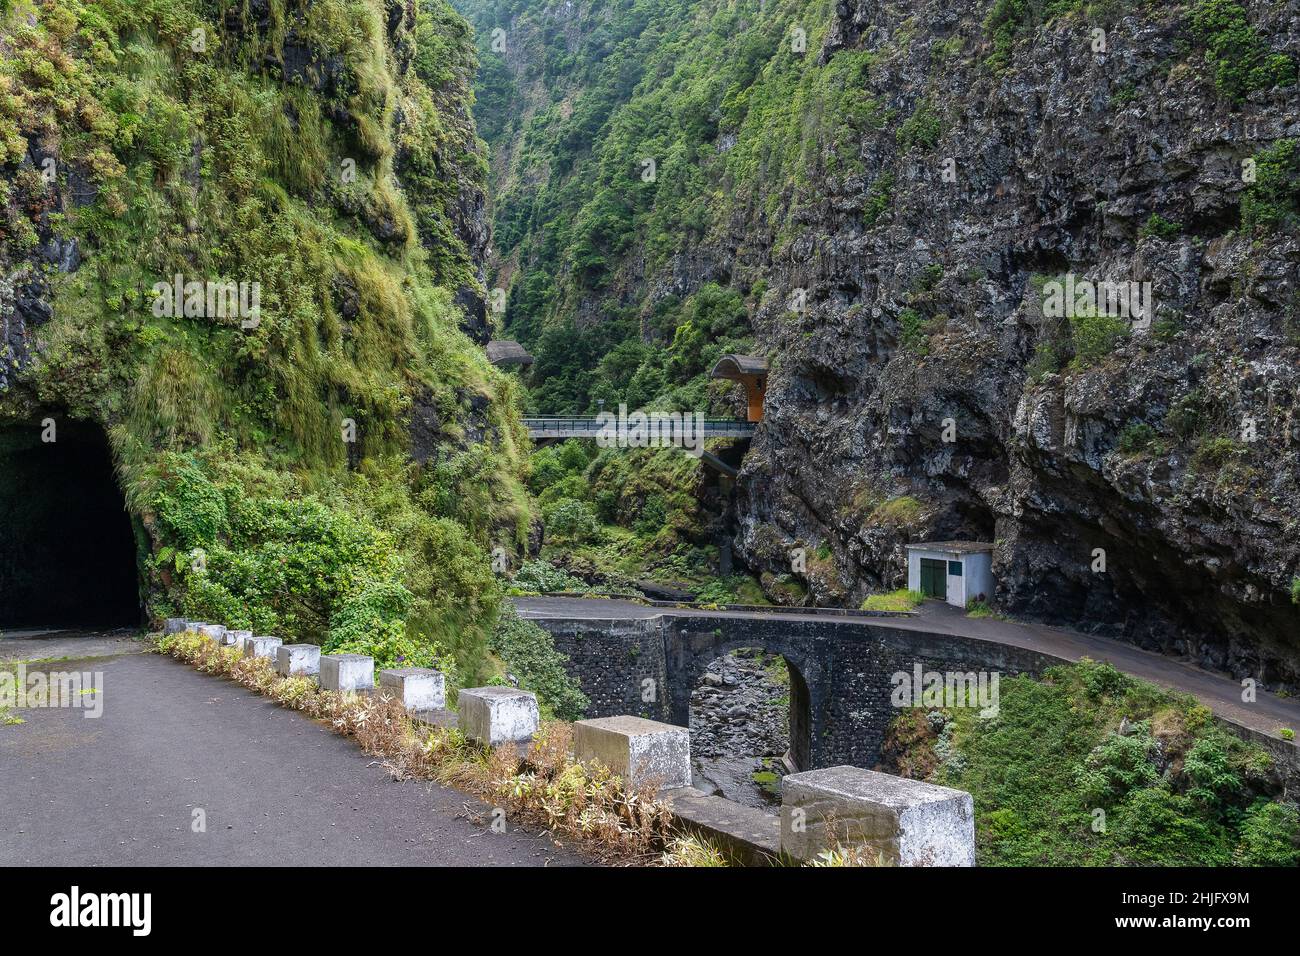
<point x="898" y="191"/>
<point x="302" y="455"/>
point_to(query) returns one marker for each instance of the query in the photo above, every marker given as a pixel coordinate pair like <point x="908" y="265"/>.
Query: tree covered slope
<point x="337" y="466"/>
<point x="880" y="198"/>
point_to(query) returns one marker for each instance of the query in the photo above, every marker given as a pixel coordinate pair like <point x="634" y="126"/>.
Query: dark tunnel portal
<point x="67" y="551"/>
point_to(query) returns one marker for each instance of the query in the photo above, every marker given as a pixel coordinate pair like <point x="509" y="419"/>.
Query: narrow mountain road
<point x="1221" y="694"/>
<point x="273" y="787"/>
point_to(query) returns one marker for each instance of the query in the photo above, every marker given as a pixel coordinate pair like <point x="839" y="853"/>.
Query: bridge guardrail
<point x="578" y="425"/>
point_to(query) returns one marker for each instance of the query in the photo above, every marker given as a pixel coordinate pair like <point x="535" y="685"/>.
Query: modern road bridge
<point x="544" y="429"/>
<point x="583" y="426"/>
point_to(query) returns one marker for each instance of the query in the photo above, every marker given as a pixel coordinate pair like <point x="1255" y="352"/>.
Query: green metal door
<point x="934" y="578"/>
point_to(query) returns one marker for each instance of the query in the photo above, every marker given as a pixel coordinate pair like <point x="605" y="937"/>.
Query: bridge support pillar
<point x="900" y="822"/>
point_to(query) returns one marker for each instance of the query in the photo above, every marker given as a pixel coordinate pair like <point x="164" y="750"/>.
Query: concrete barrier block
<point x="215" y="632"/>
<point x="904" y="822"/>
<point x="240" y="638"/>
<point x="637" y="749"/>
<point x="498" y="715"/>
<point x="347" y="672"/>
<point x="261" y="646"/>
<point x="416" y="688"/>
<point x="297" y="660"/>
<point x="175" y="625"/>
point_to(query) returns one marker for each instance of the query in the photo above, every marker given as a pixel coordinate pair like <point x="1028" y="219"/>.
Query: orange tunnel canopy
<point x="750" y="370"/>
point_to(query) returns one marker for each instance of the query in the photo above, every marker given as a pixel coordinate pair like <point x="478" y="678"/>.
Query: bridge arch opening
<point x="750" y="725"/>
<point x="67" y="549"/>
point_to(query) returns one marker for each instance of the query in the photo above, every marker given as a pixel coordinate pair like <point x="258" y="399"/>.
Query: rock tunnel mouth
<point x="67" y="548"/>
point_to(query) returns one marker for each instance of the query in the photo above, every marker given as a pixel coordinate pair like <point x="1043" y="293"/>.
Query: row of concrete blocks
<point x="902" y="822"/>
<point x="487" y="715"/>
<point x="898" y="822"/>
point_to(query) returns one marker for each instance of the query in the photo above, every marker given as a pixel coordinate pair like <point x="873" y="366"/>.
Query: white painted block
<point x="416" y="688"/>
<point x="214" y="632"/>
<point x="295" y="660"/>
<point x="240" y="638"/>
<point x="903" y="822"/>
<point x="347" y="672"/>
<point x="498" y="715"/>
<point x="638" y="750"/>
<point x="175" y="625"/>
<point x="261" y="646"/>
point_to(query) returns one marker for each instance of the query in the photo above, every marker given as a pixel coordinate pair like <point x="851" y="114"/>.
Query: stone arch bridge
<point x="841" y="671"/>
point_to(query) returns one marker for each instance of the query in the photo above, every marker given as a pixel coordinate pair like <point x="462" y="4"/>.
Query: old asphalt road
<point x="1267" y="714"/>
<point x="274" y="787"/>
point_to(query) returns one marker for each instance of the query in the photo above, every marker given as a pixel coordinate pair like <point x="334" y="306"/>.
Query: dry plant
<point x="543" y="787"/>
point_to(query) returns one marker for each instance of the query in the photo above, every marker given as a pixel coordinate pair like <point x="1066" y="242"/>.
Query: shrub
<point x="1155" y="827"/>
<point x="529" y="653"/>
<point x="1272" y="201"/>
<point x="1209" y="767"/>
<point x="1102" y="679"/>
<point x="538" y="577"/>
<point x="1213" y="452"/>
<point x="1295" y="590"/>
<point x="1175" y="789"/>
<point x="1117" y="766"/>
<point x="922" y="129"/>
<point x="1240" y="57"/>
<point x="1160" y="227"/>
<point x="913" y="333"/>
<point x="1046" y="361"/>
<point x="1136" y="438"/>
<point x="1095" y="335"/>
<point x="878" y="199"/>
<point x="1270" y="836"/>
<point x="569" y="520"/>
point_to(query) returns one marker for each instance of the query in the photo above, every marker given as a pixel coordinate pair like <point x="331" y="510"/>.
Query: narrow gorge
<point x="879" y="199"/>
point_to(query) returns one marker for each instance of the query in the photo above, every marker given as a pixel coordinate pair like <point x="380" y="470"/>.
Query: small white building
<point x="954" y="571"/>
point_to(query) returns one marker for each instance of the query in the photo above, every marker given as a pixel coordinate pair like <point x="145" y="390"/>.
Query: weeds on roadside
<point x="545" y="788"/>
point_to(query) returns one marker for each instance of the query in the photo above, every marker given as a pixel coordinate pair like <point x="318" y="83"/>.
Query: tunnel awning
<point x="738" y="367"/>
<point x="505" y="352"/>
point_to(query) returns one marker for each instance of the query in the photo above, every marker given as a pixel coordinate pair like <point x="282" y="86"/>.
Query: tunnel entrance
<point x="67" y="551"/>
<point x="749" y="723"/>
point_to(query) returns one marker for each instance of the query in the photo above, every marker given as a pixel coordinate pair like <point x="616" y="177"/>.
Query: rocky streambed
<point x="740" y="727"/>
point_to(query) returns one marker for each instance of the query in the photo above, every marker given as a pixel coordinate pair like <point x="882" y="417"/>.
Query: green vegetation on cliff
<point x="272" y="460"/>
<point x="1090" y="767"/>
